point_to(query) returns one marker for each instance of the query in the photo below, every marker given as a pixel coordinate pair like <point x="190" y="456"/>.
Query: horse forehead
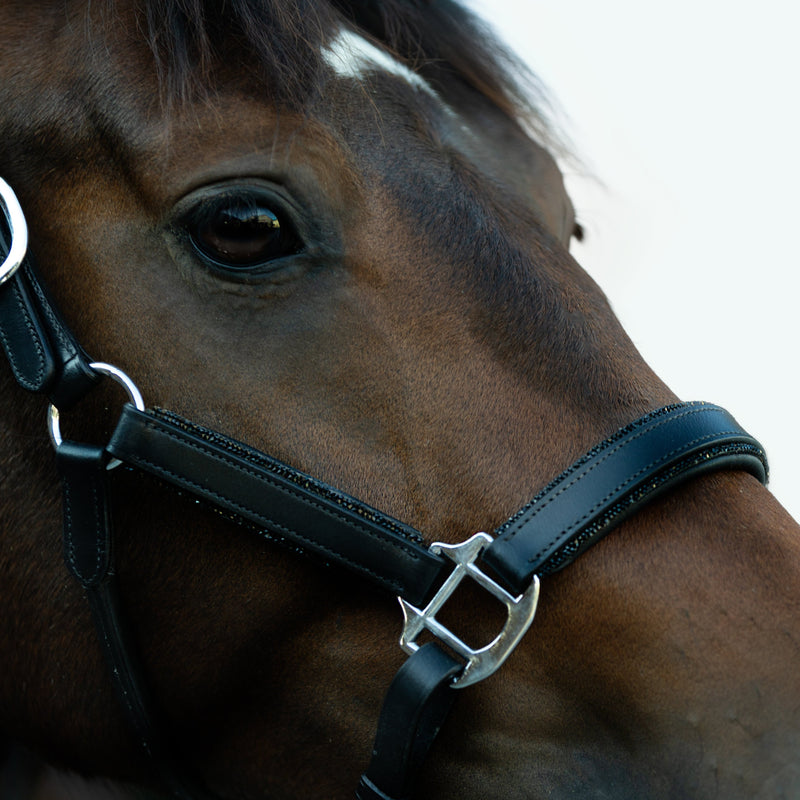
<point x="353" y="57"/>
<point x="350" y="55"/>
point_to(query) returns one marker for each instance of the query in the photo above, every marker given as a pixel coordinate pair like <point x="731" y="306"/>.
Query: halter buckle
<point x="485" y="660"/>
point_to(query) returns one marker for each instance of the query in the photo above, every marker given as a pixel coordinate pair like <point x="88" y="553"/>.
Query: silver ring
<point x="134" y="395"/>
<point x="19" y="231"/>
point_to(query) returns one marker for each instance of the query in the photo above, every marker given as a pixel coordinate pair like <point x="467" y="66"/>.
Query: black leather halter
<point x="605" y="486"/>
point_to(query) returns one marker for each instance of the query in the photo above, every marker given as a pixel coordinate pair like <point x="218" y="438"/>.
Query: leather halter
<point x="605" y="486"/>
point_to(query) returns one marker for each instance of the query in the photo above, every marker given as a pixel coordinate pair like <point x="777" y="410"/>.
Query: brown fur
<point x="436" y="353"/>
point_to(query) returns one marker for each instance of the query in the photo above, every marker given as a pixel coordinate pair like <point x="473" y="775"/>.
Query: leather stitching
<point x="68" y="529"/>
<point x="21" y="374"/>
<point x="271" y="480"/>
<point x="565" y="532"/>
<point x="588" y="465"/>
<point x="99" y="533"/>
<point x="258" y="459"/>
<point x="245" y="509"/>
<point x="569" y="549"/>
<point x="57" y="327"/>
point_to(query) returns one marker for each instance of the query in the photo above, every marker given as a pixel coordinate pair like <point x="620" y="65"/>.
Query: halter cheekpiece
<point x="602" y="488"/>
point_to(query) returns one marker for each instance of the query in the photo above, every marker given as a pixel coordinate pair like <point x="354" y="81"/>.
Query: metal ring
<point x="19" y="231"/>
<point x="134" y="395"/>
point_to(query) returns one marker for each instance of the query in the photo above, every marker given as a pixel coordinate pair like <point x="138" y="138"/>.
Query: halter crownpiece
<point x="602" y="488"/>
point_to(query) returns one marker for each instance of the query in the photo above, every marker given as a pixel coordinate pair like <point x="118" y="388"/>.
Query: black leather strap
<point x="23" y="338"/>
<point x="596" y="493"/>
<point x="43" y="353"/>
<point x="414" y="710"/>
<point x="73" y="377"/>
<point x="288" y="504"/>
<point x="87" y="526"/>
<point x="88" y="551"/>
<point x="126" y="673"/>
<point x="614" y="480"/>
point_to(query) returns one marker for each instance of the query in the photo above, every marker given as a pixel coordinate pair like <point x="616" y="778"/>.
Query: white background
<point x="686" y="117"/>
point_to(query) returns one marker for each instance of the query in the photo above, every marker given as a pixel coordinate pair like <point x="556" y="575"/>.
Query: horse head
<point x="334" y="231"/>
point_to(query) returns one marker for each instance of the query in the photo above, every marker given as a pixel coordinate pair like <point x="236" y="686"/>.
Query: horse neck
<point x="663" y="662"/>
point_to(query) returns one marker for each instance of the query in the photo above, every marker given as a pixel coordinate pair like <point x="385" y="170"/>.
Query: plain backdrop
<point x="687" y="122"/>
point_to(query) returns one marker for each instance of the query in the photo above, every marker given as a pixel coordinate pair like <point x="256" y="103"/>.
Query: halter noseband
<point x="609" y="483"/>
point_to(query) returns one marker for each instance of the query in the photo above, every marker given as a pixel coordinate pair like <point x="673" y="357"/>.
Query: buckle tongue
<point x="484" y="661"/>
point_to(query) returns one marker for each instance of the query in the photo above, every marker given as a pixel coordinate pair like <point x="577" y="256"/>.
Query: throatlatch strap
<point x="414" y="710"/>
<point x="288" y="504"/>
<point x="88" y="552"/>
<point x="615" y="479"/>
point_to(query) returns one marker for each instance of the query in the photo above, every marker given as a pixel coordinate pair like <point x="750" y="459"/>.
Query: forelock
<point x="281" y="43"/>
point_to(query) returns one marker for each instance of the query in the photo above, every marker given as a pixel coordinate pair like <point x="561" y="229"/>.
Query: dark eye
<point x="241" y="233"/>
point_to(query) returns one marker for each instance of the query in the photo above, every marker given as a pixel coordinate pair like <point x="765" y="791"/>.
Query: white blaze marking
<point x="351" y="56"/>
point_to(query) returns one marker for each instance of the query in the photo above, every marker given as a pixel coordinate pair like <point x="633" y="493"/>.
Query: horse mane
<point x="283" y="39"/>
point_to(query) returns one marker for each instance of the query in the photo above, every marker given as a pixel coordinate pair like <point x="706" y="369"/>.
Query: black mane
<point x="282" y="40"/>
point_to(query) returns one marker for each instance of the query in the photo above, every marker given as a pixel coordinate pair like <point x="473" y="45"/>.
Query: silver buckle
<point x="19" y="232"/>
<point x="482" y="662"/>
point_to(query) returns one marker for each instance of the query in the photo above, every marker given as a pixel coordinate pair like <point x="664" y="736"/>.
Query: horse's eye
<point x="241" y="233"/>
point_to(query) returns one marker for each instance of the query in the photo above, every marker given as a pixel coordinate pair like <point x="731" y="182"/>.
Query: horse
<point x="337" y="232"/>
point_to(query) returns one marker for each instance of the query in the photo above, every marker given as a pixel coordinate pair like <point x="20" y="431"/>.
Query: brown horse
<point x="398" y="316"/>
